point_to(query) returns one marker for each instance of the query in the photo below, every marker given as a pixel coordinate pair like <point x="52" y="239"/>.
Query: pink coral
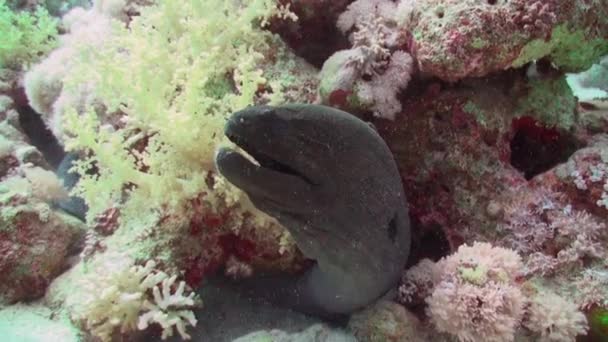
<point x="555" y="319"/>
<point x="476" y="298"/>
<point x="418" y="282"/>
<point x="376" y="68"/>
<point x="592" y="289"/>
<point x="473" y="313"/>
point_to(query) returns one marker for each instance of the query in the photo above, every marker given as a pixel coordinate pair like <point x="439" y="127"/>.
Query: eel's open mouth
<point x="265" y="160"/>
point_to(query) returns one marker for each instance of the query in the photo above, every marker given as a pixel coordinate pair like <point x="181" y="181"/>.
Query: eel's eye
<point x="392" y="228"/>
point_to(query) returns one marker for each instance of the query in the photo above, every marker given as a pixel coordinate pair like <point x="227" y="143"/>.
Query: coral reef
<point x="314" y="35"/>
<point x="477" y="294"/>
<point x="452" y="40"/>
<point x="489" y="166"/>
<point x="502" y="151"/>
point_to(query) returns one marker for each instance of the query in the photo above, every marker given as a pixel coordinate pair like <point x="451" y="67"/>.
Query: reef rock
<point x="317" y="333"/>
<point x="35" y="237"/>
<point x="453" y="39"/>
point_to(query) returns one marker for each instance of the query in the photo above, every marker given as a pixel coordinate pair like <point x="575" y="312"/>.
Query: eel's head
<point x="323" y="173"/>
<point x="289" y="168"/>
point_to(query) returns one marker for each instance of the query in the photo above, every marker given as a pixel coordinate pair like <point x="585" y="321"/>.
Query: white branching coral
<point x="44" y="83"/>
<point x="92" y="244"/>
<point x="574" y="235"/>
<point x="477" y="313"/>
<point x="120" y="296"/>
<point x="592" y="171"/>
<point x="577" y="235"/>
<point x="169" y="309"/>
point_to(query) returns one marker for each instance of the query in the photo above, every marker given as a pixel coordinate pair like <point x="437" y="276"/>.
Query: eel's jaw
<point x="266" y="159"/>
<point x="285" y="191"/>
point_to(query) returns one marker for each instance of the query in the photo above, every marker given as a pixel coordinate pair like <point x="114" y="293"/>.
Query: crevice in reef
<point x="428" y="243"/>
<point x="314" y="36"/>
<point x="536" y="148"/>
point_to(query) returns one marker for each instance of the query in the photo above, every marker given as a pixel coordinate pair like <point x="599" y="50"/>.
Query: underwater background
<point x="442" y="176"/>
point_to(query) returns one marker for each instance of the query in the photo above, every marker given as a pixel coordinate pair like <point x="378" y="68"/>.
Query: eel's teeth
<point x="247" y="155"/>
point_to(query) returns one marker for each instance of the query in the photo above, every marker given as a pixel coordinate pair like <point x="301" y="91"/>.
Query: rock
<point x="387" y="321"/>
<point x="35" y="323"/>
<point x="315" y="333"/>
<point x="454" y="39"/>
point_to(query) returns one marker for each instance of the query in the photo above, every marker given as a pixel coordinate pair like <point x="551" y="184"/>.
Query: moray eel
<point x="330" y="179"/>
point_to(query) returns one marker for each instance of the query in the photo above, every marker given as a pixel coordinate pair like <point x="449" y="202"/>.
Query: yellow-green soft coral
<point x="172" y="77"/>
<point x="24" y="37"/>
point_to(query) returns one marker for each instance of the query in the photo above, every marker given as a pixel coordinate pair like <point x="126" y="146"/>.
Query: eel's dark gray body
<point x="330" y="179"/>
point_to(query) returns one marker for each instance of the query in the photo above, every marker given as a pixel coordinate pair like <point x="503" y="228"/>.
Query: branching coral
<point x="380" y="92"/>
<point x="169" y="309"/>
<point x="474" y="313"/>
<point x="582" y="236"/>
<point x="46" y="83"/>
<point x="418" y="282"/>
<point x="121" y="296"/>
